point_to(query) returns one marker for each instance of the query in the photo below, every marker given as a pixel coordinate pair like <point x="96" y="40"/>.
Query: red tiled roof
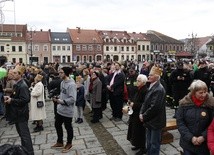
<point x="138" y="36"/>
<point x="84" y="36"/>
<point x="201" y="41"/>
<point x="39" y="36"/>
<point x="12" y="27"/>
<point x="112" y="34"/>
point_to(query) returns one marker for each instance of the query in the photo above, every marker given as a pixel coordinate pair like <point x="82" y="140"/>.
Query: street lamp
<point x="94" y="41"/>
<point x="31" y="45"/>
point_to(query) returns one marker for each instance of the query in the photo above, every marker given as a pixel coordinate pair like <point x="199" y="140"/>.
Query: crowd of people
<point x="187" y="87"/>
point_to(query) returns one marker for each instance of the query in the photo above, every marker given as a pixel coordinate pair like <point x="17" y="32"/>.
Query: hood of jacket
<point x="186" y="101"/>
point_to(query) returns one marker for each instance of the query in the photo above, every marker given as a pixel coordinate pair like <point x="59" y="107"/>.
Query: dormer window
<point x="56" y="39"/>
<point x="65" y="39"/>
<point x="107" y="40"/>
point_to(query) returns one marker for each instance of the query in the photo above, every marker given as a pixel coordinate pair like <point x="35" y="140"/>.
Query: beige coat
<point x="37" y="94"/>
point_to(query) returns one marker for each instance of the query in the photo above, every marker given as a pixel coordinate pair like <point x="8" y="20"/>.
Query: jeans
<point x="68" y="126"/>
<point x="24" y="133"/>
<point x="153" y="141"/>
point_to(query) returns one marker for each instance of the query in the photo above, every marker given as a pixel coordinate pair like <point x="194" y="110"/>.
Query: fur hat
<point x="20" y="69"/>
<point x="156" y="70"/>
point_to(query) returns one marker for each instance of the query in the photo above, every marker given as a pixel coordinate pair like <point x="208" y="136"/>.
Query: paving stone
<point x="92" y="151"/>
<point x="92" y="142"/>
<point x="40" y="139"/>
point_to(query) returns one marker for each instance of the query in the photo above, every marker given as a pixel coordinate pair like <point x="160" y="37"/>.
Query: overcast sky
<point x="175" y="18"/>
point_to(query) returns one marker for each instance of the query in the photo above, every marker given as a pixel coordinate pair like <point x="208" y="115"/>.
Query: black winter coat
<point x="180" y="87"/>
<point x="136" y="131"/>
<point x="194" y="121"/>
<point x="18" y="110"/>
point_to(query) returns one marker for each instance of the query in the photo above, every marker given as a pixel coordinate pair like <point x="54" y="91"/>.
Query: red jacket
<point x="210" y="137"/>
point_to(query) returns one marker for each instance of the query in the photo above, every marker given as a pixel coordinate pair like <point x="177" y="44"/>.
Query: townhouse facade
<point x="38" y="47"/>
<point x="84" y="45"/>
<point x="87" y="45"/>
<point x="13" y="42"/>
<point x="61" y="47"/>
<point x="117" y="45"/>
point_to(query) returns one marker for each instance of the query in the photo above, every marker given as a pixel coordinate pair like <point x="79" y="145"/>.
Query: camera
<point x="52" y="93"/>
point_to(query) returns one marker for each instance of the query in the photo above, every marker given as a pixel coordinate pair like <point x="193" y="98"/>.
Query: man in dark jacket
<point x="180" y="80"/>
<point x="116" y="92"/>
<point x="54" y="88"/>
<point x="18" y="110"/>
<point x="153" y="112"/>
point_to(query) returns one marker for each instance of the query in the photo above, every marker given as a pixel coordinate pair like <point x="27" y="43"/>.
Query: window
<point x="14" y="60"/>
<point x="152" y="47"/>
<point x="177" y="48"/>
<point x="78" y="47"/>
<point x="107" y="48"/>
<point x="56" y="39"/>
<point x="132" y="48"/>
<point x="90" y="48"/>
<point x="36" y="48"/>
<point x="13" y="48"/>
<point x="2" y="48"/>
<point x="68" y="48"/>
<point x="115" y="48"/>
<point x="20" y="60"/>
<point x="45" y="48"/>
<point x="122" y="48"/>
<point x="63" y="59"/>
<point x="174" y="48"/>
<point x="58" y="48"/>
<point x="98" y="47"/>
<point x="147" y="47"/>
<point x="20" y="48"/>
<point x="143" y="47"/>
<point x="65" y="39"/>
<point x="107" y="40"/>
<point x="69" y="59"/>
<point x="63" y="48"/>
<point x="54" y="48"/>
<point x="138" y="47"/>
<point x="127" y="48"/>
<point x="84" y="47"/>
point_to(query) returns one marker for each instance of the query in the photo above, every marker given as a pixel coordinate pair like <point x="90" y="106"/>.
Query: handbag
<point x="40" y="104"/>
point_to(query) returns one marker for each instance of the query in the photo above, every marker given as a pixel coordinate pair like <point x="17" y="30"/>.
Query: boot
<point x="38" y="128"/>
<point x="80" y="121"/>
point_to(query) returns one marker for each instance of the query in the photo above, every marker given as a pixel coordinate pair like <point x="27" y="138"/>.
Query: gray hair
<point x="198" y="85"/>
<point x="142" y="78"/>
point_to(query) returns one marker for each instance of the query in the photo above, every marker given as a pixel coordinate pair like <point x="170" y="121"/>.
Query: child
<point x="80" y="103"/>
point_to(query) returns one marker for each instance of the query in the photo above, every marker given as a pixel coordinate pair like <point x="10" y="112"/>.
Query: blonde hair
<point x="197" y="85"/>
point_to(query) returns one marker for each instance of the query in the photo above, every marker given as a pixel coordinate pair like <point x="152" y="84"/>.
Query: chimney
<point x="78" y="29"/>
<point x="41" y="30"/>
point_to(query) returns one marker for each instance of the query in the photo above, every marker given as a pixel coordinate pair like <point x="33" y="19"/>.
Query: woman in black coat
<point x="136" y="131"/>
<point x="193" y="118"/>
